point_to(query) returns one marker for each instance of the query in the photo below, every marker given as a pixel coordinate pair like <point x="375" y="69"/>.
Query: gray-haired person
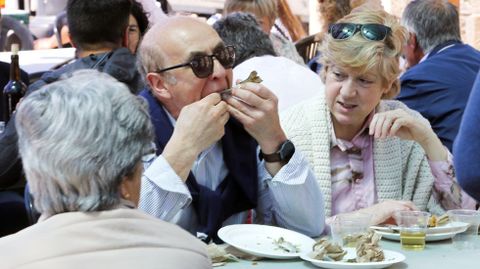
<point x="254" y="51"/>
<point x="441" y="69"/>
<point x="81" y="141"/>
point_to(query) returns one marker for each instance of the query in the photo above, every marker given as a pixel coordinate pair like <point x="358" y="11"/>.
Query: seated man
<point x="254" y="51"/>
<point x="100" y="46"/>
<point x="208" y="173"/>
<point x="441" y="69"/>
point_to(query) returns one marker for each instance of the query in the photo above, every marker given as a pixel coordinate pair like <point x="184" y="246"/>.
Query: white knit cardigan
<point x="401" y="168"/>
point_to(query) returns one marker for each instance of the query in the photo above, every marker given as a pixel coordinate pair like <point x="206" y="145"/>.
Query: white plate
<point x="258" y="240"/>
<point x="391" y="257"/>
<point x="428" y="237"/>
<point x="447" y="228"/>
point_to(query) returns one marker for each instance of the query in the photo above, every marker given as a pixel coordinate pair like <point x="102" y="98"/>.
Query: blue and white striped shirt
<point x="291" y="199"/>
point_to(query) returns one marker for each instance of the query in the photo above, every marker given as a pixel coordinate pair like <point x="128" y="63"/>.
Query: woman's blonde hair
<point x="259" y="8"/>
<point x="363" y="55"/>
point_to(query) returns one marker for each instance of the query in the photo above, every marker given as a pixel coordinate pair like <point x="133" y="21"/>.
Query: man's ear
<point x="71" y="40"/>
<point x="159" y="86"/>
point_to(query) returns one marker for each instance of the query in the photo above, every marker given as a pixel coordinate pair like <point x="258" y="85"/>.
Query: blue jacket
<point x="439" y="87"/>
<point x="467" y="146"/>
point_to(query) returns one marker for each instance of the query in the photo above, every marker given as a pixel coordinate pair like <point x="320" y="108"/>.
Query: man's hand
<point x="256" y="108"/>
<point x="198" y="126"/>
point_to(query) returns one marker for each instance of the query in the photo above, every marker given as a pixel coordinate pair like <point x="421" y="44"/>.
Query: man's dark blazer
<point x="439" y="87"/>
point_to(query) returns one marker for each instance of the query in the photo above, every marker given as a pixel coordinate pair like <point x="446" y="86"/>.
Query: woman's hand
<point x="383" y="211"/>
<point x="403" y="125"/>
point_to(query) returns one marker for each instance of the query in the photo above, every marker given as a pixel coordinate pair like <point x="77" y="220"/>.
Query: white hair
<point x="78" y="138"/>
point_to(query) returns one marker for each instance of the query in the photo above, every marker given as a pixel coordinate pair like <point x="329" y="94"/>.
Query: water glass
<point x="346" y="229"/>
<point x="413" y="228"/>
<point x="468" y="239"/>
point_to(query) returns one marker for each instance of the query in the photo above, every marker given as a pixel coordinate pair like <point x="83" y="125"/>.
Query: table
<point x="436" y="255"/>
<point x="34" y="61"/>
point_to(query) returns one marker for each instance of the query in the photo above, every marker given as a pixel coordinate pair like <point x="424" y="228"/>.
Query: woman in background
<point x="266" y="12"/>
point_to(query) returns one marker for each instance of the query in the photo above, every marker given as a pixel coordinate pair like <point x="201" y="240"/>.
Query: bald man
<point x="218" y="158"/>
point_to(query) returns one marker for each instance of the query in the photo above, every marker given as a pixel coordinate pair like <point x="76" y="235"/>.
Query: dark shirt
<point x="120" y="64"/>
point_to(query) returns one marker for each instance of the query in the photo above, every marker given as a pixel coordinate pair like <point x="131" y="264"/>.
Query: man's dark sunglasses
<point x="371" y="31"/>
<point x="202" y="65"/>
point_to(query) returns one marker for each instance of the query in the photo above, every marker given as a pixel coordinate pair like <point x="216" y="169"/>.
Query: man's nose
<point x="218" y="70"/>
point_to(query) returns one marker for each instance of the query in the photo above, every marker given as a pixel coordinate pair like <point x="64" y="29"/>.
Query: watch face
<point x="287" y="150"/>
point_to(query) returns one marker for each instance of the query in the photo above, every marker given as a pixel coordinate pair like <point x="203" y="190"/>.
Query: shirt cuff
<point x="162" y="174"/>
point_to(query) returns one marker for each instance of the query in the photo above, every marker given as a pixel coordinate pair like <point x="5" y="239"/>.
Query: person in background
<point x="441" y="69"/>
<point x="254" y="51"/>
<point x="330" y="12"/>
<point x="154" y="12"/>
<point x="100" y="45"/>
<point x="369" y="154"/>
<point x="266" y="12"/>
<point x="11" y="201"/>
<point x="137" y="26"/>
<point x="208" y="173"/>
<point x="467" y="146"/>
<point x="82" y="140"/>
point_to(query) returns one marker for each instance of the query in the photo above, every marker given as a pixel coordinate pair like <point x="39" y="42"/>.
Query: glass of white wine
<point x="413" y="228"/>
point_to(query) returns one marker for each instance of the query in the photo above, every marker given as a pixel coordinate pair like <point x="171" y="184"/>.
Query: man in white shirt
<point x="254" y="51"/>
<point x="209" y="173"/>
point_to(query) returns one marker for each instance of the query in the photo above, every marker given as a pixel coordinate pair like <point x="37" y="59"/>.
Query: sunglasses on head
<point x="202" y="65"/>
<point x="370" y="31"/>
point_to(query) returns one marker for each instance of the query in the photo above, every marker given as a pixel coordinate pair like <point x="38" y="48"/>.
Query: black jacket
<point x="120" y="64"/>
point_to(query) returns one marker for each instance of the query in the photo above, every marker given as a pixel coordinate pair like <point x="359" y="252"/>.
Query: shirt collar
<point x="357" y="140"/>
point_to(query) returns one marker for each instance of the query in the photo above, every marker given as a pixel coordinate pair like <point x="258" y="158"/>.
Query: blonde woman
<point x="266" y="12"/>
<point x="371" y="154"/>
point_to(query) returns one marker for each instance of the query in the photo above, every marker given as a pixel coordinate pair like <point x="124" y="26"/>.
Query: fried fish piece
<point x="253" y="77"/>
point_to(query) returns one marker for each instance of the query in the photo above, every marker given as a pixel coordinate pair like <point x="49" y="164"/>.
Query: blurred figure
<point x="466" y="148"/>
<point x="82" y="141"/>
<point x="266" y="12"/>
<point x="254" y="51"/>
<point x="100" y="45"/>
<point x="287" y="24"/>
<point x="137" y="26"/>
<point x="441" y="69"/>
<point x="370" y="154"/>
<point x="330" y="12"/>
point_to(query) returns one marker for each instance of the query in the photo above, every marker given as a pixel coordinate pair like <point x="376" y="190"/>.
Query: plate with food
<point x="450" y="227"/>
<point x="366" y="254"/>
<point x="428" y="237"/>
<point x="266" y="241"/>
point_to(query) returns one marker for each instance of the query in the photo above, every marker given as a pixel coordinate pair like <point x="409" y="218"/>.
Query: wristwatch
<point x="282" y="155"/>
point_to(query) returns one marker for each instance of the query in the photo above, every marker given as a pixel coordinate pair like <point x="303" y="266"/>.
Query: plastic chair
<point x="307" y="46"/>
<point x="15" y="32"/>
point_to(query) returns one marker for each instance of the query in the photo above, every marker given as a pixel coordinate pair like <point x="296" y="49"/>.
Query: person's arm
<point x="199" y="125"/>
<point x="155" y="13"/>
<point x="291" y="199"/>
<point x="446" y="188"/>
<point x="402" y="124"/>
<point x="163" y="193"/>
<point x="466" y="149"/>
